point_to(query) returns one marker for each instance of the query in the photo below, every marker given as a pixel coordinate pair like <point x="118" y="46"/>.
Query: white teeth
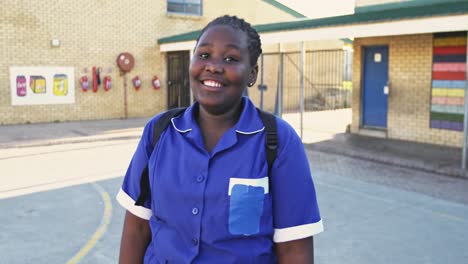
<point x="212" y="83"/>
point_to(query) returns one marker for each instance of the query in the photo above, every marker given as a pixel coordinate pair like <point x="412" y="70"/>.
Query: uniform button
<point x="195" y="241"/>
<point x="200" y="178"/>
<point x="195" y="211"/>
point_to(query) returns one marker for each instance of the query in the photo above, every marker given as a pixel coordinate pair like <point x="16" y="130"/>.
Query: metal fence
<point x="327" y="81"/>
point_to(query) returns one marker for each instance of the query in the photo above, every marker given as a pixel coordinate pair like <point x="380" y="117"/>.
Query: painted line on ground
<point x="106" y="217"/>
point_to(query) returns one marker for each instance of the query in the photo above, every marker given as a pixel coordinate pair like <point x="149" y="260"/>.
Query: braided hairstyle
<point x="254" y="44"/>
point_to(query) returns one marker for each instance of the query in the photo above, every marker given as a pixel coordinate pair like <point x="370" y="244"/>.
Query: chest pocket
<point x="246" y="203"/>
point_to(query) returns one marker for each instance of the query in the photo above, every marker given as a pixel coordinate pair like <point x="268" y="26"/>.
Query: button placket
<point x="201" y="180"/>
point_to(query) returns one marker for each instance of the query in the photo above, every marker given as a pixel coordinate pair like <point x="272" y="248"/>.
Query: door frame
<point x="184" y="98"/>
<point x="363" y="60"/>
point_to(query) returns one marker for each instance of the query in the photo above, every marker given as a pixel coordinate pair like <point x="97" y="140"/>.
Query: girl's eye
<point x="230" y="59"/>
<point x="203" y="56"/>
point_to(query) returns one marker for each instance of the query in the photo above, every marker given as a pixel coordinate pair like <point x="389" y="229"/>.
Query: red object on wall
<point x="451" y="76"/>
<point x="156" y="83"/>
<point x="95" y="80"/>
<point x="84" y="83"/>
<point x="107" y="83"/>
<point x="125" y="62"/>
<point x="450" y="50"/>
<point x="136" y="82"/>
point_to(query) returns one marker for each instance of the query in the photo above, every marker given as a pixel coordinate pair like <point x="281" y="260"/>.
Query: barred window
<point x="187" y="7"/>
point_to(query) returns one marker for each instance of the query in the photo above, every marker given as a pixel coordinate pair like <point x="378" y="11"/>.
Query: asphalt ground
<point x="382" y="201"/>
<point x="370" y="215"/>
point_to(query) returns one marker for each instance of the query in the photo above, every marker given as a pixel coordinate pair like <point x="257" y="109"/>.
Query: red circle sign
<point x="125" y="61"/>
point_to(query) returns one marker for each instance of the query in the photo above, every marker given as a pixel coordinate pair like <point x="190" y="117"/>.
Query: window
<point x="187" y="7"/>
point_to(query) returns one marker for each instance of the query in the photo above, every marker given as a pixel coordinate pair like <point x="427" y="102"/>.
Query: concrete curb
<point x="71" y="140"/>
<point x="391" y="160"/>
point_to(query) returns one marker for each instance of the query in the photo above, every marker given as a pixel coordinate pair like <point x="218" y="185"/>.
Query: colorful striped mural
<point x="448" y="80"/>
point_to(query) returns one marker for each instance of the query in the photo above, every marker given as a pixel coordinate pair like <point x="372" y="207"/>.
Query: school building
<point x="408" y="61"/>
<point x="409" y="65"/>
<point x="58" y="59"/>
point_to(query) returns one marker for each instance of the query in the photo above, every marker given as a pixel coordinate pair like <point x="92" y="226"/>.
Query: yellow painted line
<point x="449" y="92"/>
<point x="106" y="217"/>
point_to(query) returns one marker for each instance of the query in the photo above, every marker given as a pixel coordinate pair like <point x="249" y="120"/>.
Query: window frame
<point x="184" y="12"/>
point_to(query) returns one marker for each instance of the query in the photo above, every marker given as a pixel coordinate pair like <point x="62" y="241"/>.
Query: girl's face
<point x="220" y="68"/>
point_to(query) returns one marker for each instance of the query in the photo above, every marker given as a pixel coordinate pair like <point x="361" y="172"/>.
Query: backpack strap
<point x="271" y="144"/>
<point x="161" y="124"/>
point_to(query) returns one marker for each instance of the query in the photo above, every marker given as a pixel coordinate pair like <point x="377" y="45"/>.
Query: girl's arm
<point x="299" y="251"/>
<point x="136" y="237"/>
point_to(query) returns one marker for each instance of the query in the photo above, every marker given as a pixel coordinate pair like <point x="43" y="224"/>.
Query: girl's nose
<point x="214" y="67"/>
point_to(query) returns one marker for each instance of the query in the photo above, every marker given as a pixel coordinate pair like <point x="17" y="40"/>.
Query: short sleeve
<point x="130" y="189"/>
<point x="295" y="207"/>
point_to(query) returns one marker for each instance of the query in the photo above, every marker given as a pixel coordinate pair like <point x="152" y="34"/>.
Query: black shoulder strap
<point x="164" y="121"/>
<point x="271" y="144"/>
<point x="160" y="125"/>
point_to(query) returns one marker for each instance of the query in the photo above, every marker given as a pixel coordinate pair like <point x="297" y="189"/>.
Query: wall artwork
<point x="448" y="80"/>
<point x="42" y="85"/>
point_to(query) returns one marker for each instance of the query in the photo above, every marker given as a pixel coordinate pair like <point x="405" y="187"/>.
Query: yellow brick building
<point x="89" y="34"/>
<point x="409" y="65"/>
<point x="414" y="112"/>
<point x="409" y="102"/>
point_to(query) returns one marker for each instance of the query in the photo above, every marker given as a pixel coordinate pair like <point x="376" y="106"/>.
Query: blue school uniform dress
<point x="221" y="207"/>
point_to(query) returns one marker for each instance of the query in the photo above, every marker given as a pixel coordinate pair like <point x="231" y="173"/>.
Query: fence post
<point x="280" y="112"/>
<point x="261" y="82"/>
<point x="303" y="58"/>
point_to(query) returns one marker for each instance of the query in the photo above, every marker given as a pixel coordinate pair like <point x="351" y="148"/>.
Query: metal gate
<point x="178" y="93"/>
<point x="327" y="81"/>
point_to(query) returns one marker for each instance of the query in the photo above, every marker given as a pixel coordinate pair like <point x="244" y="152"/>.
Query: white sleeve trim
<point x="128" y="203"/>
<point x="297" y="232"/>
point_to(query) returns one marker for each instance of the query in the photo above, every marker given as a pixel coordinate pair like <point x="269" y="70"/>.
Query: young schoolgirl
<point x="213" y="197"/>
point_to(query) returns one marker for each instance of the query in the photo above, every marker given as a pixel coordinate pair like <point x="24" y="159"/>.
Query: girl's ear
<point x="253" y="75"/>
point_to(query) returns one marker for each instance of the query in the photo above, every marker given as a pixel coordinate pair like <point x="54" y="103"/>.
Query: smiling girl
<point x="213" y="198"/>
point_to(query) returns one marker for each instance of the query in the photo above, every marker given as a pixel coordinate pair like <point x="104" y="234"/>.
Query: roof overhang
<point x="392" y="28"/>
<point x="177" y="46"/>
<point x="445" y="17"/>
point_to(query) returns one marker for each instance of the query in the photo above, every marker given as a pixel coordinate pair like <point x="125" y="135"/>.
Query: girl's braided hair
<point x="253" y="39"/>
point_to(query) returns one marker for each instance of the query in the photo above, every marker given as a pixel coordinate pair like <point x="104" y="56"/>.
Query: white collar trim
<point x="252" y="132"/>
<point x="181" y="131"/>
<point x="238" y="131"/>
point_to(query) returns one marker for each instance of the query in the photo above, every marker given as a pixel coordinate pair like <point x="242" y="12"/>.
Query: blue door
<point x="375" y="79"/>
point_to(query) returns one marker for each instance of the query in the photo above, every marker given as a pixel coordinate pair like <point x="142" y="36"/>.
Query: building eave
<point x="412" y="20"/>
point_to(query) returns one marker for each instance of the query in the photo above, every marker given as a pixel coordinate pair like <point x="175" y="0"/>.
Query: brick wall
<point x="93" y="33"/>
<point x="410" y="66"/>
